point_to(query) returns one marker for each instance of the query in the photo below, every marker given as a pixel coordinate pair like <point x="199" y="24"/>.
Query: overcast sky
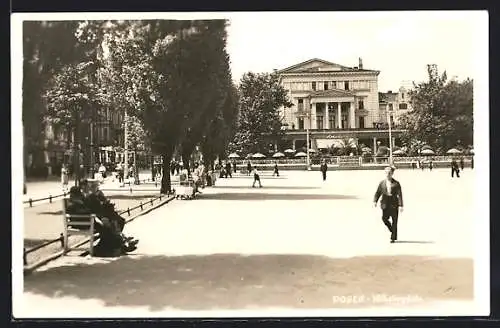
<point x="399" y="44"/>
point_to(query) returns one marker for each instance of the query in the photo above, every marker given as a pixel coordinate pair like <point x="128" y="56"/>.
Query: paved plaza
<point x="295" y="244"/>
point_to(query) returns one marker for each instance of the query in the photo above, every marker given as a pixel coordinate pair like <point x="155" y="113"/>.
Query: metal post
<point x="307" y="142"/>
<point x="125" y="169"/>
<point x="91" y="150"/>
<point x="390" y="136"/>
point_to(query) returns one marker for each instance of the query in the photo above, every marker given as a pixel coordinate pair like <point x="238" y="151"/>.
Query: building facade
<point x="393" y="105"/>
<point x="332" y="102"/>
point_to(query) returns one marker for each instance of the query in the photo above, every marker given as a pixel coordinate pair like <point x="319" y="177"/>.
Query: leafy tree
<point x="442" y="115"/>
<point x="259" y="121"/>
<point x="72" y="99"/>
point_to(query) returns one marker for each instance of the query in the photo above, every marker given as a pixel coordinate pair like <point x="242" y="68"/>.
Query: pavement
<point x="296" y="247"/>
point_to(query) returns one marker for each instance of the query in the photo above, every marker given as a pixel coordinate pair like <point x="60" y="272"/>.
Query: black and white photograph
<point x="250" y="164"/>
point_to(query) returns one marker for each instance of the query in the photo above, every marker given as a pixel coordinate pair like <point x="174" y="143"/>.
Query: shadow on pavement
<point x="32" y="242"/>
<point x="270" y="187"/>
<point x="132" y="197"/>
<point x="414" y="242"/>
<point x="235" y="281"/>
<point x="269" y="196"/>
<point x="60" y="212"/>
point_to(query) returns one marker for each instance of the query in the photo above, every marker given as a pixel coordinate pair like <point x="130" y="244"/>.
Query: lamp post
<point x="125" y="144"/>
<point x="390" y="135"/>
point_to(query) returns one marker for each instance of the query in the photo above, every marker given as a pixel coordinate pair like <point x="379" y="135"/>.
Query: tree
<point x="259" y="121"/>
<point x="72" y="99"/>
<point x="442" y="115"/>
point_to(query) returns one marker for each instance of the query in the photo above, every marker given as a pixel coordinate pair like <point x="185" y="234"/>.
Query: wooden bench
<point x="85" y="224"/>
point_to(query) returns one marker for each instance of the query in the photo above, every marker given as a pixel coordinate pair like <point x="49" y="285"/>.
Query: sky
<point x="398" y="44"/>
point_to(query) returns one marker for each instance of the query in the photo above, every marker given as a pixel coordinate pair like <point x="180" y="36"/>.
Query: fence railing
<point x="30" y="201"/>
<point x="60" y="239"/>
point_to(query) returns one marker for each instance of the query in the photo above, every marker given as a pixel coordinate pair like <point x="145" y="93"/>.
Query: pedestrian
<point x="249" y="168"/>
<point x="228" y="169"/>
<point x="64" y="177"/>
<point x="276" y="171"/>
<point x="324" y="168"/>
<point x="422" y="165"/>
<point x="177" y="167"/>
<point x="234" y="166"/>
<point x="391" y="201"/>
<point x="455" y="170"/>
<point x="256" y="177"/>
<point x="430" y="165"/>
<point x="172" y="167"/>
<point x="462" y="164"/>
<point x="102" y="172"/>
<point x="472" y="162"/>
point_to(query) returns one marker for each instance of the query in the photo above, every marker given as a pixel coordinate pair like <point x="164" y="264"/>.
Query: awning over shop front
<point x="327" y="143"/>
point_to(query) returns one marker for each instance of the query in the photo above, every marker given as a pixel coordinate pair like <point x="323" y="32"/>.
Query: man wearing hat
<point x="391" y="201"/>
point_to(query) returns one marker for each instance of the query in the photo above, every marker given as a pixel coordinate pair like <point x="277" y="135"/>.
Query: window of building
<point x="361" y="122"/>
<point x="361" y="104"/>
<point x="301" y="124"/>
<point x="391" y="107"/>
<point x="334" y="85"/>
<point x="402" y="95"/>
<point x="301" y="105"/>
<point x="392" y="120"/>
<point x="314" y="86"/>
<point x="325" y="85"/>
<point x="319" y="122"/>
<point x="346" y="85"/>
<point x="331" y="123"/>
<point x="403" y="106"/>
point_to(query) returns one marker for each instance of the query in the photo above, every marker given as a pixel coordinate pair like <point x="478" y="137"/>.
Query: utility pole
<point x="125" y="169"/>
<point x="390" y="135"/>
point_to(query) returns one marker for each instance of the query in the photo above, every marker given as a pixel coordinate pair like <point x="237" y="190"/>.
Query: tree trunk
<point x="185" y="161"/>
<point x="166" y="185"/>
<point x="153" y="172"/>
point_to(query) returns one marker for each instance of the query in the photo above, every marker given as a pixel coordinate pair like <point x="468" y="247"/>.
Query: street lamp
<point x="390" y="135"/>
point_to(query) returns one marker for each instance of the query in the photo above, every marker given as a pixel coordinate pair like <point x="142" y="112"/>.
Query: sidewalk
<point x="293" y="245"/>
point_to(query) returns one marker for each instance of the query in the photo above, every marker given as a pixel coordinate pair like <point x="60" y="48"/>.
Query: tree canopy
<point x="259" y="121"/>
<point x="442" y="115"/>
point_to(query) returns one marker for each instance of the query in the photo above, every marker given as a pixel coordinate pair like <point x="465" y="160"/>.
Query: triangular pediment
<point x="314" y="65"/>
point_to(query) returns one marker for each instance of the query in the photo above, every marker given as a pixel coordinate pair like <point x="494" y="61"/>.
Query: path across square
<point x="296" y="244"/>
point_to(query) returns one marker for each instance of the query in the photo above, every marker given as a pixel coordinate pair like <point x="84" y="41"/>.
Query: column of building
<point x="352" y="116"/>
<point x="339" y="115"/>
<point x="327" y="116"/>
<point x="312" y="116"/>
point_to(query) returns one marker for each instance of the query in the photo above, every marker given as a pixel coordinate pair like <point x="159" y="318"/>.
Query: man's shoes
<point x="392" y="241"/>
<point x="130" y="248"/>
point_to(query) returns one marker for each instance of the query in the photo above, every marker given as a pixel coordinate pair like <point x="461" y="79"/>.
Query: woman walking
<point x="64" y="177"/>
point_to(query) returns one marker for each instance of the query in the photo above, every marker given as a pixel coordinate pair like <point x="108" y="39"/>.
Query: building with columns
<point x="334" y="103"/>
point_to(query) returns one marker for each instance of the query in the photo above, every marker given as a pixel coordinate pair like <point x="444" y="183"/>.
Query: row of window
<point x="300" y="107"/>
<point x="332" y="122"/>
<point x="328" y="85"/>
<point x="401" y="106"/>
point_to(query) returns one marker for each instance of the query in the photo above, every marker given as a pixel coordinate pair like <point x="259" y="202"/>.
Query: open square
<point x="297" y="243"/>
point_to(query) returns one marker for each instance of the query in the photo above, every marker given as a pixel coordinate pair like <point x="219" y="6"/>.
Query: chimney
<point x="360" y="63"/>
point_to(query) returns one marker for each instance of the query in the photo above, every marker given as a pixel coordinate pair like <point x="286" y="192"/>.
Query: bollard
<point x="156" y="184"/>
<point x="130" y="189"/>
<point x="64" y="194"/>
<point x="128" y="211"/>
<point x="160" y="197"/>
<point x="50" y="198"/>
<point x="141" y="206"/>
<point x="152" y="201"/>
<point x="25" y="261"/>
<point x="61" y="239"/>
<point x="31" y="202"/>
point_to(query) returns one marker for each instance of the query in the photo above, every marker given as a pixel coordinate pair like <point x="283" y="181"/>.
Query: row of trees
<point x="442" y="115"/>
<point x="172" y="78"/>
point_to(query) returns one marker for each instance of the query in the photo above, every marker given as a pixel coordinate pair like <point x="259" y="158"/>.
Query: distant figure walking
<point x="472" y="163"/>
<point x="249" y="168"/>
<point x="256" y="177"/>
<point x="323" y="169"/>
<point x="276" y="171"/>
<point x="234" y="166"/>
<point x="228" y="170"/>
<point x="64" y="177"/>
<point x="454" y="168"/>
<point x="430" y="165"/>
<point x="462" y="164"/>
<point x="391" y="201"/>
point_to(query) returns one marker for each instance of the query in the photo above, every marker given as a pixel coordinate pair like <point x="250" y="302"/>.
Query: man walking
<point x="323" y="169"/>
<point x="391" y="201"/>
<point x="256" y="177"/>
<point x="249" y="168"/>
<point x="454" y="168"/>
<point x="462" y="164"/>
<point x="276" y="171"/>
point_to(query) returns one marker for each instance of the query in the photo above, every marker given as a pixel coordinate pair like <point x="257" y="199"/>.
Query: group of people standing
<point x="87" y="198"/>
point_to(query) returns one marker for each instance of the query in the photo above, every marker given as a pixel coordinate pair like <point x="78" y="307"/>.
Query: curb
<point x="29" y="269"/>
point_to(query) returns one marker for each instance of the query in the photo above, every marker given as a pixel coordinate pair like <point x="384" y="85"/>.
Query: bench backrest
<point x="82" y="220"/>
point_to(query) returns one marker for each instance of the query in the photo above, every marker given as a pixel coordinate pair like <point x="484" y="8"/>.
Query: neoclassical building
<point x="334" y="102"/>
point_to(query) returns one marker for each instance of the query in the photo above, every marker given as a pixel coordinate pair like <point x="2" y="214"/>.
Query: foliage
<point x="442" y="115"/>
<point x="259" y="122"/>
